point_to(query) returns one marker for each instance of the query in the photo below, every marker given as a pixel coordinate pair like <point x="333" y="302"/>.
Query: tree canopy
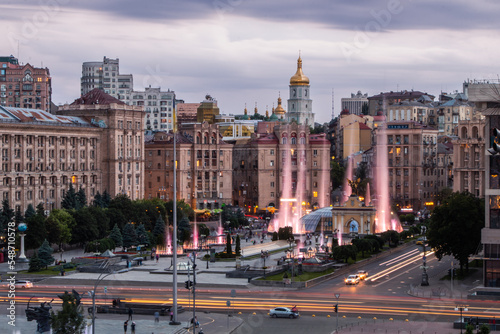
<point x="455" y="227"/>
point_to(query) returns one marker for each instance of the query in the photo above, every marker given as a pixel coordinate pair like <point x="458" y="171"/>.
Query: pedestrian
<point x="133" y="327"/>
<point x="157" y="316"/>
<point x="125" y="324"/>
<point x="157" y="257"/>
<point x="171" y="315"/>
<point x="130" y="312"/>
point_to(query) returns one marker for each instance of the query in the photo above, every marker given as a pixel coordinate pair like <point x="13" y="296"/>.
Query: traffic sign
<point x="228" y="303"/>
<point x="424" y="267"/>
<point x="424" y="258"/>
<point x="233" y="293"/>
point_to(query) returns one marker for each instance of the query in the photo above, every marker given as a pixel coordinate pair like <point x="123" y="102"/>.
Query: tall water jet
<point x="367" y="195"/>
<point x="346" y="189"/>
<point x="195" y="233"/>
<point x="285" y="215"/>
<point x="383" y="221"/>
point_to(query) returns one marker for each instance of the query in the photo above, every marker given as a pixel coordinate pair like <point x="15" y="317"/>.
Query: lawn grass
<point x="48" y="271"/>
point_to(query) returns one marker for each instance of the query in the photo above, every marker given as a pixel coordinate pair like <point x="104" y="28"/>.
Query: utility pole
<point x="337" y="295"/>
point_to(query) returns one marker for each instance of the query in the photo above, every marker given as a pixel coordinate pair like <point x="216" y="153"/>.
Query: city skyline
<point x="244" y="52"/>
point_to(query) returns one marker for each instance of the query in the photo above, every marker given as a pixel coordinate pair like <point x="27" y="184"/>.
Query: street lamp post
<point x="425" y="276"/>
<point x="99" y="280"/>
<point x="461" y="308"/>
<point x="337" y="296"/>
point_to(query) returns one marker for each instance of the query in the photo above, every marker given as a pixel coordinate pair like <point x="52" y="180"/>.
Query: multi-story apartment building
<point x="412" y="163"/>
<point x="354" y="134"/>
<point x="105" y="75"/>
<point x="486" y="95"/>
<point x="204" y="166"/>
<point x="260" y="169"/>
<point x="186" y="112"/>
<point x="43" y="153"/>
<point x="158" y="106"/>
<point x="383" y="101"/>
<point x="444" y="164"/>
<point x="354" y="103"/>
<point x="468" y="157"/>
<point x="409" y="111"/>
<point x="449" y="113"/>
<point x="122" y="142"/>
<point x="24" y="86"/>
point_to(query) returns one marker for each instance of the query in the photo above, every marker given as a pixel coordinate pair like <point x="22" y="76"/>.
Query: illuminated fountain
<point x="346" y="189"/>
<point x="384" y="221"/>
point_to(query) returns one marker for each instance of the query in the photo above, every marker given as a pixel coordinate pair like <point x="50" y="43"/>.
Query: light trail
<point x="396" y="259"/>
<point x="392" y="269"/>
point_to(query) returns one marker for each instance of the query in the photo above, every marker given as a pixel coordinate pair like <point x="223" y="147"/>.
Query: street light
<point x="337" y="295"/>
<point x="99" y="280"/>
<point x="461" y="308"/>
<point x="425" y="276"/>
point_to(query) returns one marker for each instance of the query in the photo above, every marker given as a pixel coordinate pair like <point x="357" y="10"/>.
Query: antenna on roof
<point x="333" y="104"/>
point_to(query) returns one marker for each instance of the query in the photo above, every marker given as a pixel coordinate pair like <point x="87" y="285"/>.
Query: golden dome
<point x="299" y="78"/>
<point x="279" y="109"/>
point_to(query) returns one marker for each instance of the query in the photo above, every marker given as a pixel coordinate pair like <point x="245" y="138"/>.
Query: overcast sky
<point x="245" y="51"/>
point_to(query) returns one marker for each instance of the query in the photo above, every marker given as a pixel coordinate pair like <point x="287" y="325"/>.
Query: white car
<point x="352" y="279"/>
<point x="24" y="284"/>
<point x="283" y="312"/>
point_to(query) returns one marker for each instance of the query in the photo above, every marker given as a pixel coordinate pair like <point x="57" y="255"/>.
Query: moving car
<point x="24" y="284"/>
<point x="352" y="279"/>
<point x="283" y="312"/>
<point x="362" y="274"/>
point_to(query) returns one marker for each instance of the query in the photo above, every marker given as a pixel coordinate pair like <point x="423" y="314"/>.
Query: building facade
<point x="24" y="86"/>
<point x="288" y="161"/>
<point x="105" y="75"/>
<point x="485" y="96"/>
<point x="468" y="157"/>
<point x="355" y="103"/>
<point x="204" y="166"/>
<point x="412" y="163"/>
<point x="86" y="145"/>
<point x="43" y="153"/>
<point x="122" y="143"/>
<point x="158" y="107"/>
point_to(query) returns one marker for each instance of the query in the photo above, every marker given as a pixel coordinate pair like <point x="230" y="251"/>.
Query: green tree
<point x="59" y="225"/>
<point x="183" y="230"/>
<point x="391" y="237"/>
<point x="229" y="249"/>
<point x="455" y="227"/>
<point x="365" y="110"/>
<point x="159" y="232"/>
<point x="40" y="210"/>
<point x="85" y="228"/>
<point x="70" y="319"/>
<point x="116" y="216"/>
<point x="484" y="329"/>
<point x="116" y="236"/>
<point x="285" y="233"/>
<point x="36" y="232"/>
<point x="129" y="235"/>
<point x="81" y="199"/>
<point x="142" y="235"/>
<point x="363" y="245"/>
<point x="98" y="202"/>
<point x="337" y="172"/>
<point x="30" y="212"/>
<point x="106" y="199"/>
<point x="6" y="215"/>
<point x="69" y="200"/>
<point x="45" y="254"/>
<point x="18" y="218"/>
<point x="102" y="219"/>
<point x="237" y="247"/>
<point x="35" y="263"/>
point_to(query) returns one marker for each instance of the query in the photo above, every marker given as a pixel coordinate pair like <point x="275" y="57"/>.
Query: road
<point x="383" y="295"/>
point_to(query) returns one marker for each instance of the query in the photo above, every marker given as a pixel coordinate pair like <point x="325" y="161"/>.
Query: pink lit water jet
<point x="346" y="189"/>
<point x="383" y="221"/>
